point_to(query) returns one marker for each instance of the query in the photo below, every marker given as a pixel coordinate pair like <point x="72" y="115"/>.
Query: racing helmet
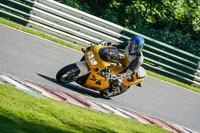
<point x="136" y="45"/>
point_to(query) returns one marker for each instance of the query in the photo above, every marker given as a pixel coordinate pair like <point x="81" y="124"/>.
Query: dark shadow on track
<point x="73" y="87"/>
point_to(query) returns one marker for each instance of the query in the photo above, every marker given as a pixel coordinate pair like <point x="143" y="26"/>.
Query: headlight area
<point x="91" y="58"/>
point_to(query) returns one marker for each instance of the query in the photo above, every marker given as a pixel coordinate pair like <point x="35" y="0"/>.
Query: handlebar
<point x="107" y="44"/>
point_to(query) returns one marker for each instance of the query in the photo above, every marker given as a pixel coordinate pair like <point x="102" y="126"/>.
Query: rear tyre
<point x="68" y="74"/>
<point x="107" y="93"/>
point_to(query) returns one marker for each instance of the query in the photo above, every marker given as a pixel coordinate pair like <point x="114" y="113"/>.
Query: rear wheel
<point x="68" y="73"/>
<point x="107" y="93"/>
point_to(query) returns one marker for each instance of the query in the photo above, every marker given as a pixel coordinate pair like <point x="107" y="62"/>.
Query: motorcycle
<point x="94" y="67"/>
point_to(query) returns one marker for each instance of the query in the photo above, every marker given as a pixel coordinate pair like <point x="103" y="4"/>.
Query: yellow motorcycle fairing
<point x="95" y="81"/>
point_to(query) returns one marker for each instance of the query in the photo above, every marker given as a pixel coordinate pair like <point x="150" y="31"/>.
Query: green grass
<point x="22" y="113"/>
<point x="43" y="35"/>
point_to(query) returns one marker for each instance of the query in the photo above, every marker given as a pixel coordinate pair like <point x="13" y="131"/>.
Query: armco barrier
<point x="81" y="28"/>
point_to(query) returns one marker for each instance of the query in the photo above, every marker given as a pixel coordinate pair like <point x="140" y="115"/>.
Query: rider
<point x="133" y="51"/>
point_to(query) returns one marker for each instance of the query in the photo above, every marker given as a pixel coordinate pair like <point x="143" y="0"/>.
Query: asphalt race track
<point x="38" y="60"/>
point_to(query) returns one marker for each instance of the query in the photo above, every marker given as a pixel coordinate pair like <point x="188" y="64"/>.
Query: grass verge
<point x="48" y="37"/>
<point x="20" y="112"/>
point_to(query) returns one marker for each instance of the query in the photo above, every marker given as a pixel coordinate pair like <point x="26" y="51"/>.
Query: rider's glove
<point x="114" y="76"/>
<point x="111" y="76"/>
<point x="127" y="73"/>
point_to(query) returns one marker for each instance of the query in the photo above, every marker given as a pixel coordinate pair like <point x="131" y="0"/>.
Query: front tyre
<point x="68" y="74"/>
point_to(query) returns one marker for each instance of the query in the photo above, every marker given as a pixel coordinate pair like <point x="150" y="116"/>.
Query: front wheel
<point x="68" y="73"/>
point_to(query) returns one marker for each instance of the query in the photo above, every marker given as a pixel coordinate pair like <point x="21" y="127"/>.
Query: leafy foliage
<point x="175" y="22"/>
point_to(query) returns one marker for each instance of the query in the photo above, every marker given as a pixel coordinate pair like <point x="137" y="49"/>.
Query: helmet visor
<point x="134" y="48"/>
